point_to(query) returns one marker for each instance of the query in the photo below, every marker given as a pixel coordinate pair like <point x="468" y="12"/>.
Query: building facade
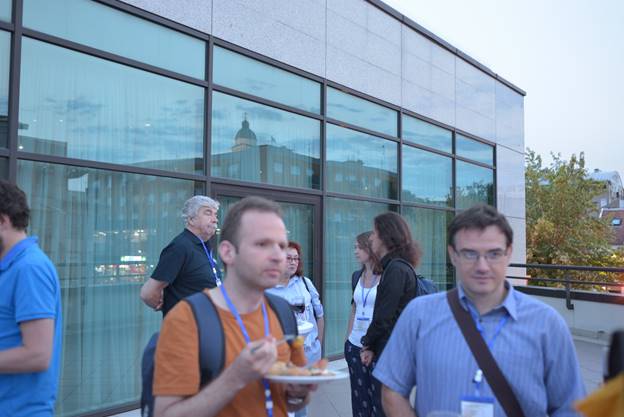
<point x="113" y="113"/>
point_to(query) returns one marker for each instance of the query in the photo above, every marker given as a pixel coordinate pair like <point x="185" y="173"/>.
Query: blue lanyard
<point x="212" y="262"/>
<point x="268" y="401"/>
<point x="478" y="379"/>
<point x="367" y="293"/>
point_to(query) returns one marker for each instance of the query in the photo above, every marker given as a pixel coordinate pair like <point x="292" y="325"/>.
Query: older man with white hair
<point x="186" y="265"/>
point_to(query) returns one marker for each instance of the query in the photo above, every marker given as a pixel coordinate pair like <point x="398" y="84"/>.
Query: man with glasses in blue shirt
<point x="529" y="340"/>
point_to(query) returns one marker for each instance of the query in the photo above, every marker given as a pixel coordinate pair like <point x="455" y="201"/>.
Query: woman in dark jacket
<point x="392" y="242"/>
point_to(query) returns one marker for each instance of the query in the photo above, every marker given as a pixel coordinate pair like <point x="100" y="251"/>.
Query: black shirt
<point x="397" y="287"/>
<point x="183" y="264"/>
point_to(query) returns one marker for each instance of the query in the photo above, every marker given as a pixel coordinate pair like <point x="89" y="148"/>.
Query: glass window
<point x="5" y="51"/>
<point x="360" y="112"/>
<point x="253" y="77"/>
<point x="429" y="230"/>
<point x="474" y="184"/>
<point x="423" y="133"/>
<point x="427" y="177"/>
<point x="299" y="221"/>
<point x="78" y="106"/>
<point x="4" y="168"/>
<point x="342" y="224"/>
<point x="104" y="239"/>
<point x="5" y="10"/>
<point x="358" y="163"/>
<point x="475" y="150"/>
<point x="616" y="221"/>
<point x="248" y="139"/>
<point x="102" y="27"/>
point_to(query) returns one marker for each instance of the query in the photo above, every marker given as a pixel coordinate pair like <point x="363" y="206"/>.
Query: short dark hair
<point x="232" y="221"/>
<point x="479" y="217"/>
<point x="14" y="205"/>
<point x="396" y="236"/>
<point x="297" y="247"/>
<point x="363" y="241"/>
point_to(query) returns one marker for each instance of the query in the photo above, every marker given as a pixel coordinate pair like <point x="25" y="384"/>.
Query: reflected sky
<point x="253" y="77"/>
<point x="427" y="177"/>
<point x="469" y="148"/>
<point x="5" y="49"/>
<point x="359" y="112"/>
<point x="5" y="10"/>
<point x="418" y="131"/>
<point x="106" y="28"/>
<point x="79" y="106"/>
<point x="474" y="184"/>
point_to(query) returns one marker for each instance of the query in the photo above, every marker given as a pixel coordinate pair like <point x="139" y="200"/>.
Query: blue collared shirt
<point x="29" y="290"/>
<point x="534" y="350"/>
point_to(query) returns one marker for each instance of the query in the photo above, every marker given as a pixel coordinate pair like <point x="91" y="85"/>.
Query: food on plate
<point x="289" y="369"/>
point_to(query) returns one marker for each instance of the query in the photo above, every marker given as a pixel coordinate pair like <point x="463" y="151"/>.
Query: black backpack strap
<point x="305" y="282"/>
<point x="210" y="334"/>
<point x="284" y="314"/>
<point x="355" y="277"/>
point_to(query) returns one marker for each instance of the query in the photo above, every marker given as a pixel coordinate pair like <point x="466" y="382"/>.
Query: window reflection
<point x="362" y="164"/>
<point x="427" y="177"/>
<point x="253" y="77"/>
<point x="254" y="142"/>
<point x="78" y="106"/>
<point x="5" y="10"/>
<point x="4" y="168"/>
<point x="344" y="220"/>
<point x="5" y="49"/>
<point x="429" y="230"/>
<point x="475" y="150"/>
<point x="111" y="30"/>
<point x="423" y="133"/>
<point x="104" y="232"/>
<point x="475" y="184"/>
<point x="360" y="112"/>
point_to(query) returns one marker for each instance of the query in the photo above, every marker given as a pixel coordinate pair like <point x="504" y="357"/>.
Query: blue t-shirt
<point x="29" y="290"/>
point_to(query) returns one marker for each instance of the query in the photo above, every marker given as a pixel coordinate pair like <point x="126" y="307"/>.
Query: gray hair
<point x="193" y="204"/>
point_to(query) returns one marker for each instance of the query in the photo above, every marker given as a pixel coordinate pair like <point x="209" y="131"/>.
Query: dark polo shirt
<point x="183" y="264"/>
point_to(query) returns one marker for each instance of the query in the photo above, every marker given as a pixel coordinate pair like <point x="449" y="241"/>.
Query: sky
<point x="568" y="55"/>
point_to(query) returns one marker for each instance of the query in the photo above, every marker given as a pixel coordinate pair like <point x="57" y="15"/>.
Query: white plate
<point x="298" y="379"/>
<point x="304" y="327"/>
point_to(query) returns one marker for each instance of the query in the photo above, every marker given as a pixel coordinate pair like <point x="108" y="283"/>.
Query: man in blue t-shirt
<point x="30" y="315"/>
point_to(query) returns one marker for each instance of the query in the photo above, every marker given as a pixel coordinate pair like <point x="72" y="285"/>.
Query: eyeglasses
<point x="292" y="259"/>
<point x="472" y="256"/>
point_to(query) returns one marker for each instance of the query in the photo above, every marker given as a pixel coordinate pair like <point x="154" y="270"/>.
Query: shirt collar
<point x="509" y="303"/>
<point x="17" y="250"/>
<point x="195" y="239"/>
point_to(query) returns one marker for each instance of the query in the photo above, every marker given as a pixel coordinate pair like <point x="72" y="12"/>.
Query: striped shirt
<point x="534" y="350"/>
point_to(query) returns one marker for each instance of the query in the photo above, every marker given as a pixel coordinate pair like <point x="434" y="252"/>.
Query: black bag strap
<point x="355" y="277"/>
<point x="284" y="313"/>
<point x="484" y="358"/>
<point x="308" y="289"/>
<point x="211" y="337"/>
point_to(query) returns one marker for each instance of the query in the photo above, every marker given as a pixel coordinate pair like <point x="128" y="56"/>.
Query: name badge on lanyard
<point x="213" y="263"/>
<point x="481" y="405"/>
<point x="472" y="406"/>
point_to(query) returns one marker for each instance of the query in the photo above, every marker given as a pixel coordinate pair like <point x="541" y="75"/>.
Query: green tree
<point x="562" y="221"/>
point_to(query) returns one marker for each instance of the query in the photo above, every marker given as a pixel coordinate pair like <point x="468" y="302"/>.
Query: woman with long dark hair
<point x="399" y="255"/>
<point x="365" y="282"/>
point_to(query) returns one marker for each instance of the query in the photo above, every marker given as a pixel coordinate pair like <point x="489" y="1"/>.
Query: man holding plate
<point x="253" y="250"/>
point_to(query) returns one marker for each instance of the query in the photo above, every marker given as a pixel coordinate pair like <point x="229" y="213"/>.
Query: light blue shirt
<point x="534" y="350"/>
<point x="312" y="300"/>
<point x="29" y="290"/>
